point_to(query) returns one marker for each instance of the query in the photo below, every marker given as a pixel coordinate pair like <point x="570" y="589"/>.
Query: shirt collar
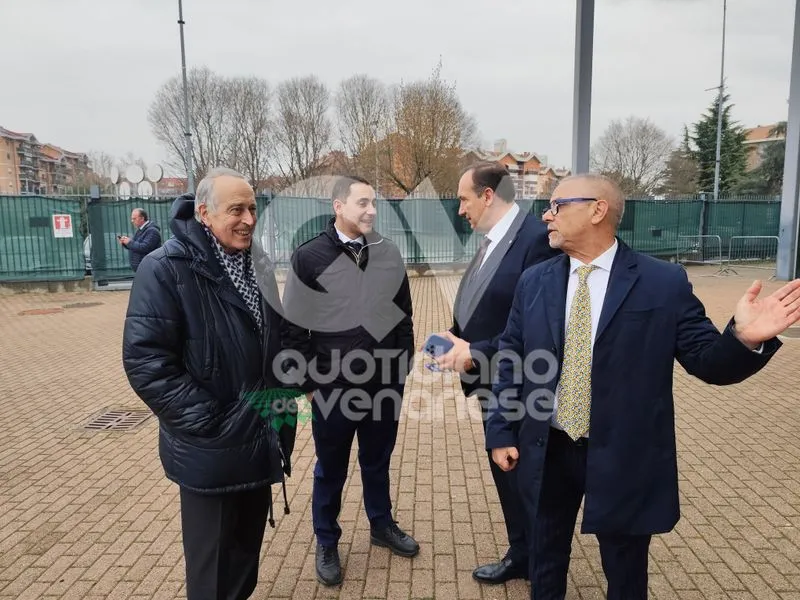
<point x="345" y="239"/>
<point x="143" y="225"/>
<point x="604" y="261"/>
<point x="501" y="228"/>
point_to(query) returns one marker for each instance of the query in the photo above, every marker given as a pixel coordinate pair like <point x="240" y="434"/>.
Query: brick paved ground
<point x="90" y="515"/>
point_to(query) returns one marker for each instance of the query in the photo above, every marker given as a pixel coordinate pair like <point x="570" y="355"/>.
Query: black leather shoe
<point x="397" y="540"/>
<point x="500" y="572"/>
<point x="329" y="570"/>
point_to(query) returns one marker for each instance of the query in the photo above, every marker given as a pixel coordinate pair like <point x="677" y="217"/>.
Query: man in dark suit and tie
<point x="512" y="241"/>
<point x="594" y="419"/>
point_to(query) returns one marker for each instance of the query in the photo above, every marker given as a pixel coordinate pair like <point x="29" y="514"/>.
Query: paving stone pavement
<point x="89" y="514"/>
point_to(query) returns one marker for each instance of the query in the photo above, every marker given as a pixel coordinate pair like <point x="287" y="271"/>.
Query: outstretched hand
<point x="757" y="320"/>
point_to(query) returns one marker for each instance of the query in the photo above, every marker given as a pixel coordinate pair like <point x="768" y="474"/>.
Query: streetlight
<point x="719" y="104"/>
<point x="186" y="129"/>
<point x="376" y="125"/>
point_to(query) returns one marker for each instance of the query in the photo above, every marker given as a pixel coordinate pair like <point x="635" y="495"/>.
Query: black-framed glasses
<point x="555" y="204"/>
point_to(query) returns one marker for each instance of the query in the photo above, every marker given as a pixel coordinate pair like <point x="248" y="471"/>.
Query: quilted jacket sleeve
<point x="152" y="354"/>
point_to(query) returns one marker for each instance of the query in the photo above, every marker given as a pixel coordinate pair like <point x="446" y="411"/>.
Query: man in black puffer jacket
<point x="198" y="346"/>
<point x="349" y="326"/>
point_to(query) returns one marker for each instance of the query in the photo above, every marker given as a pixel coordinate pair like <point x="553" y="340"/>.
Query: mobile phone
<point x="119" y="236"/>
<point x="436" y="345"/>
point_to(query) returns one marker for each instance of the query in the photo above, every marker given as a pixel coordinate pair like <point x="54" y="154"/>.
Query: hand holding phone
<point x="436" y="345"/>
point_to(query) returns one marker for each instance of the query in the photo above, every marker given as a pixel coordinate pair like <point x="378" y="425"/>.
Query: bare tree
<point x="101" y="163"/>
<point x="681" y="170"/>
<point x="302" y="128"/>
<point x="428" y="131"/>
<point x="362" y="111"/>
<point x="251" y="101"/>
<point x="131" y="159"/>
<point x="211" y="122"/>
<point x="100" y="166"/>
<point x="634" y="152"/>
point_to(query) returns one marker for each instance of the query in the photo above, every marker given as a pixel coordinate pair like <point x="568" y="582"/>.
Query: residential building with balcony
<point x="28" y="166"/>
<point x="533" y="177"/>
<point x="758" y="138"/>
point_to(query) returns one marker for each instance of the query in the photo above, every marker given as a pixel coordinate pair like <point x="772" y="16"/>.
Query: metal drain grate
<point x="119" y="420"/>
<point x="82" y="304"/>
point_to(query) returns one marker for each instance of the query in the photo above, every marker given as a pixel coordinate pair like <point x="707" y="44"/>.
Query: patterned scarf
<point x="241" y="271"/>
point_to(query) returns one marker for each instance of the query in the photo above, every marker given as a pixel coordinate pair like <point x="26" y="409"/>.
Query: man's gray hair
<point x="205" y="189"/>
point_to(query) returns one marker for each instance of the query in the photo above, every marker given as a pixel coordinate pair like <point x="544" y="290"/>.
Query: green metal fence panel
<point x="424" y="230"/>
<point x="110" y="218"/>
<point x="427" y="231"/>
<point x="654" y="226"/>
<point x="743" y="218"/>
<point x="40" y="239"/>
<point x="284" y="223"/>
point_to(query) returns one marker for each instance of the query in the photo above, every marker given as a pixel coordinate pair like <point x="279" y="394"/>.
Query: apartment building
<point x="28" y="166"/>
<point x="532" y="176"/>
<point x="758" y="138"/>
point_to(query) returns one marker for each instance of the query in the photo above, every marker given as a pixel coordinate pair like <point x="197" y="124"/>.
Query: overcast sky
<point x="82" y="73"/>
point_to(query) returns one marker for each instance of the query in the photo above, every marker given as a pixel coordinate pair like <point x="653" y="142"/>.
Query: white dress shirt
<point x="345" y="239"/>
<point x="598" y="285"/>
<point x="499" y="230"/>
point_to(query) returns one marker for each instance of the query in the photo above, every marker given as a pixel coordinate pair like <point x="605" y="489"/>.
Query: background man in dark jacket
<point x="512" y="241"/>
<point x="198" y="345"/>
<point x="349" y="319"/>
<point x="146" y="239"/>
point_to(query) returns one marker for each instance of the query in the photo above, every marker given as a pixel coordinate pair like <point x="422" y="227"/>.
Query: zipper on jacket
<point x="357" y="255"/>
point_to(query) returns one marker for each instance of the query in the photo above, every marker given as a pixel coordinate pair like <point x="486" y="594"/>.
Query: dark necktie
<point x="354" y="246"/>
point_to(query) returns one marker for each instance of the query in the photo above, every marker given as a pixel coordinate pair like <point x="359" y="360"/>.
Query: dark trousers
<point x="511" y="503"/>
<point x="222" y="536"/>
<point x="624" y="557"/>
<point x="334" y="425"/>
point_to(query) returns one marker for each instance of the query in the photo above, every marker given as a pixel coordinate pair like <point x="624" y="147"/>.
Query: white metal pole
<point x="582" y="93"/>
<point x="787" y="248"/>
<point x="719" y="104"/>
<point x="187" y="132"/>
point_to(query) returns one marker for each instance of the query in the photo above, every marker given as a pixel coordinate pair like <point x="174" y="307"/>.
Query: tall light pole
<point x="582" y="91"/>
<point x="186" y="125"/>
<point x="719" y="104"/>
<point x="377" y="125"/>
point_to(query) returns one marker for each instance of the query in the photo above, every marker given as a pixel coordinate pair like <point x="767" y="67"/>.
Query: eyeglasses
<point x="553" y="208"/>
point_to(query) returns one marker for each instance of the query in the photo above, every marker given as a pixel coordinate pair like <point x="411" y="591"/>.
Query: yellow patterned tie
<point x="575" y="392"/>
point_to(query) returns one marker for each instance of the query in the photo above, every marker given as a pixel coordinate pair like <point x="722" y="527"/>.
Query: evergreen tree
<point x="733" y="157"/>
<point x="680" y="174"/>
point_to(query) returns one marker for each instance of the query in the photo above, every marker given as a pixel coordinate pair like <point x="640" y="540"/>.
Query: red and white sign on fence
<point x="62" y="226"/>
